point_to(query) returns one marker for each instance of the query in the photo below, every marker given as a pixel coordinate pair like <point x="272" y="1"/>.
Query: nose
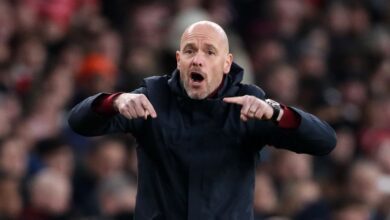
<point x="198" y="60"/>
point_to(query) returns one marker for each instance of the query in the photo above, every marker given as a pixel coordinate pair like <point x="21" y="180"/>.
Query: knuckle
<point x="142" y="96"/>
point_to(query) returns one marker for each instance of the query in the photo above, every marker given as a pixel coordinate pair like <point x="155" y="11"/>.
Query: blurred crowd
<point x="331" y="58"/>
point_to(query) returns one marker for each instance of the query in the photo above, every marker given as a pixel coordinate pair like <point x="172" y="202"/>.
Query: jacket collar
<point x="230" y="85"/>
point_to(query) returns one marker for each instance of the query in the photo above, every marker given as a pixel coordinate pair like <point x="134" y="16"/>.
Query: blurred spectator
<point x="282" y="76"/>
<point x="345" y="150"/>
<point x="360" y="20"/>
<point x="380" y="80"/>
<point x="117" y="197"/>
<point x="265" y="197"/>
<point x="139" y="62"/>
<point x="56" y="154"/>
<point x="338" y="15"/>
<point x="219" y="11"/>
<point x="49" y="196"/>
<point x="26" y="18"/>
<point x="10" y="111"/>
<point x="109" y="44"/>
<point x="378" y="42"/>
<point x="382" y="156"/>
<point x="351" y="210"/>
<point x="105" y="159"/>
<point x="8" y="27"/>
<point x="288" y="16"/>
<point x="362" y="185"/>
<point x="13" y="157"/>
<point x="10" y="198"/>
<point x="148" y="25"/>
<point x="29" y="61"/>
<point x="265" y="54"/>
<point x="377" y="129"/>
<point x="71" y="57"/>
<point x="43" y="117"/>
<point x="97" y="73"/>
<point x="297" y="195"/>
<point x="286" y="166"/>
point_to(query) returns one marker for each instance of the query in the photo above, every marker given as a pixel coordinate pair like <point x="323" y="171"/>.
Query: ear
<point x="228" y="63"/>
<point x="178" y="59"/>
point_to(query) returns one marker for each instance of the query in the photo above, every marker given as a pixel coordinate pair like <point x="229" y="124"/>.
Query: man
<point x="199" y="131"/>
<point x="49" y="196"/>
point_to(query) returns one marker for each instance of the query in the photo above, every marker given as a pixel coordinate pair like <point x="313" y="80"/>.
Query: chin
<point x="196" y="96"/>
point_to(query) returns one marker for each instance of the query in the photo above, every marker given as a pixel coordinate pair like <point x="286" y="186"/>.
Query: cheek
<point x="183" y="69"/>
<point x="183" y="63"/>
<point x="214" y="81"/>
<point x="182" y="75"/>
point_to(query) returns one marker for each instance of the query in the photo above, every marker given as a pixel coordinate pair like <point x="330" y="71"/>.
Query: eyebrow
<point x="189" y="45"/>
<point x="210" y="46"/>
<point x="192" y="45"/>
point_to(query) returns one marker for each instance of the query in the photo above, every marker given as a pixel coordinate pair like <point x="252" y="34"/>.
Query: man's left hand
<point x="252" y="107"/>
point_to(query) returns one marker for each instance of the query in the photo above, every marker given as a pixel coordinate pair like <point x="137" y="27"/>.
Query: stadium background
<point x="331" y="58"/>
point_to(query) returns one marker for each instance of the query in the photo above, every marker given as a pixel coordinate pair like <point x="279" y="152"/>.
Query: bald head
<point x="201" y="28"/>
<point x="203" y="58"/>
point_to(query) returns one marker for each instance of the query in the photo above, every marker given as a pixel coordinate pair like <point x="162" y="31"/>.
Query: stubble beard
<point x="194" y="94"/>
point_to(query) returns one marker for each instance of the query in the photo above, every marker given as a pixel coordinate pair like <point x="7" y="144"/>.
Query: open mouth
<point x="196" y="77"/>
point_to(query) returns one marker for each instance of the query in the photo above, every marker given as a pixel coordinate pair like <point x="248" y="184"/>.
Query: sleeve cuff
<point x="289" y="119"/>
<point x="103" y="105"/>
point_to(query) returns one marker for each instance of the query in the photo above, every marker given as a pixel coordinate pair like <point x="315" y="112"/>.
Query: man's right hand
<point x="134" y="106"/>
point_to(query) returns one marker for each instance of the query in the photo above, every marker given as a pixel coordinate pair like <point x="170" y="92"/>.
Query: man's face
<point x="203" y="59"/>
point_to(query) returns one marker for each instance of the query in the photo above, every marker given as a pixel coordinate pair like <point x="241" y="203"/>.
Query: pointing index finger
<point x="234" y="100"/>
<point x="149" y="109"/>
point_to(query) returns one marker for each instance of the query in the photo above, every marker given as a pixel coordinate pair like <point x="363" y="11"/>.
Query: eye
<point x="188" y="51"/>
<point x="210" y="52"/>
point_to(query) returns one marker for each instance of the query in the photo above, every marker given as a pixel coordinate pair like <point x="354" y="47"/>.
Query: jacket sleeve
<point x="312" y="136"/>
<point x="84" y="121"/>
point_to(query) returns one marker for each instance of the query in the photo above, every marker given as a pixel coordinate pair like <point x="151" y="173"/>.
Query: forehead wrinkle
<point x="203" y="38"/>
<point x="193" y="39"/>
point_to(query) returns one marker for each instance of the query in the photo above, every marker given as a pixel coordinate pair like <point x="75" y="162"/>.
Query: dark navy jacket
<point x="196" y="160"/>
